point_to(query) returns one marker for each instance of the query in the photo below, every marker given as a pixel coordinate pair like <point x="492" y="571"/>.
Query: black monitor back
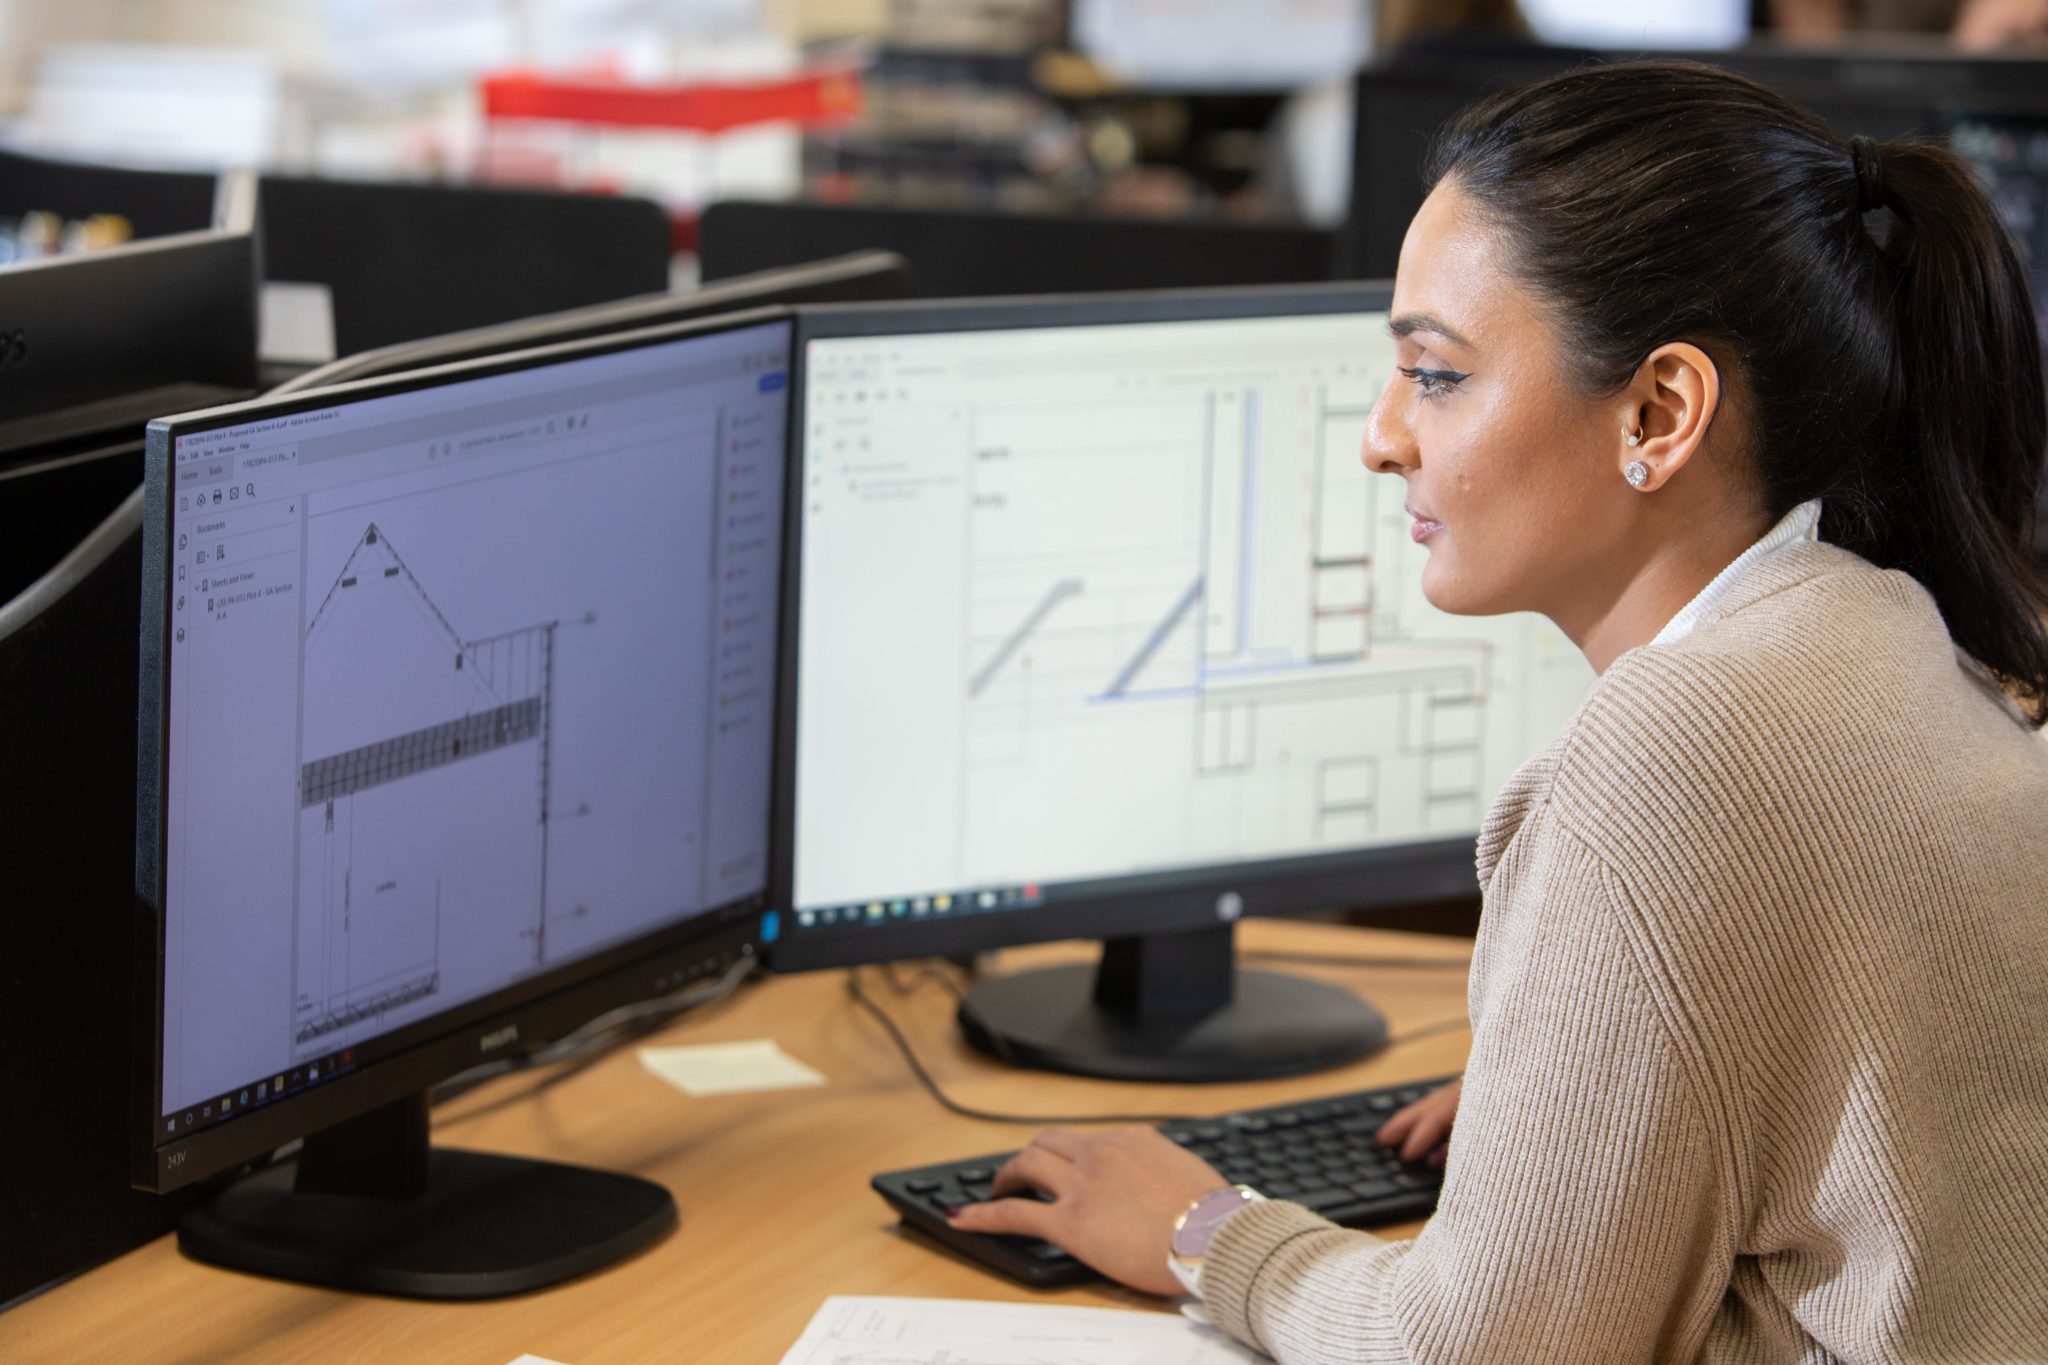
<point x="104" y="339"/>
<point x="958" y="253"/>
<point x="409" y="261"/>
<point x="1401" y="106"/>
<point x="155" y="203"/>
<point x="68" y="683"/>
<point x="401" y="261"/>
<point x="863" y="276"/>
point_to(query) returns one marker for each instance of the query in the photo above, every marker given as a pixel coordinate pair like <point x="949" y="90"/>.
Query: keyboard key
<point x="1045" y="1251"/>
<point x="974" y="1175"/>
<point x="1375" y="1189"/>
<point x="921" y="1186"/>
<point x="1328" y="1201"/>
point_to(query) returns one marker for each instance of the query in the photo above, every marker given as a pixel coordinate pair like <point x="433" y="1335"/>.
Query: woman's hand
<point x="1115" y="1198"/>
<point x="1424" y="1126"/>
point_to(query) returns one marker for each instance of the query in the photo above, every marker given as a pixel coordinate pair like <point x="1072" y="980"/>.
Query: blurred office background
<point x="1208" y="109"/>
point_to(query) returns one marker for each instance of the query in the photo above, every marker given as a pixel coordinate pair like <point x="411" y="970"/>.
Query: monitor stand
<point x="370" y="1205"/>
<point x="1169" y="1007"/>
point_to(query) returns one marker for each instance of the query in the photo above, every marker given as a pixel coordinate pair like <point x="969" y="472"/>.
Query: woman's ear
<point x="1672" y="401"/>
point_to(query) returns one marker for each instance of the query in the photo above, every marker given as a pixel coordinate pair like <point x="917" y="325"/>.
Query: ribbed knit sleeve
<point x="1588" y="1212"/>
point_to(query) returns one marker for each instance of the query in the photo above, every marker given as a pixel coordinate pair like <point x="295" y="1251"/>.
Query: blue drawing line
<point x="1247" y="544"/>
<point x="1058" y="593"/>
<point x="1156" y="639"/>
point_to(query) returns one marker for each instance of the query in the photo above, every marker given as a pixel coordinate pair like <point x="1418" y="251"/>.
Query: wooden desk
<point x="776" y="1213"/>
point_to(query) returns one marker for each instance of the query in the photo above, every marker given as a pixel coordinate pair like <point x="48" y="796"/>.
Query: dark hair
<point x="1890" y="367"/>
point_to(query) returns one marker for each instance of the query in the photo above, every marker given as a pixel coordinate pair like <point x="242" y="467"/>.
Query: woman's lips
<point x="1425" y="526"/>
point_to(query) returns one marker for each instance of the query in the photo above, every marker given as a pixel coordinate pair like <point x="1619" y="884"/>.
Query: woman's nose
<point x="1389" y="443"/>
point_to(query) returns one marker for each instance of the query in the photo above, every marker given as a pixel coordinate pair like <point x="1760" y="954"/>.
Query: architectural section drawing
<point x="410" y="727"/>
<point x="1202" y="603"/>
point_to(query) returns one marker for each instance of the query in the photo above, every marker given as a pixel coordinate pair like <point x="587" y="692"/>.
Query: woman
<point x="1761" y="988"/>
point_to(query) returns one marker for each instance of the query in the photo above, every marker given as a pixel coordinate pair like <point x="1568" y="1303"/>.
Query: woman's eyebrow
<point x="1410" y="323"/>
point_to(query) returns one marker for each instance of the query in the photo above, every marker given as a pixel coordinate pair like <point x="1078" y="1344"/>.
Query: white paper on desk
<point x="865" y="1331"/>
<point x="728" y="1068"/>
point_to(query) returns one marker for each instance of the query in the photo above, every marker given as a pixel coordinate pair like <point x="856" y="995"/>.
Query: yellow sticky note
<point x="728" y="1068"/>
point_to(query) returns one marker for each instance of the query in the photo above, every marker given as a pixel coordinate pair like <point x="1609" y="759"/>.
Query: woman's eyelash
<point x="1434" y="382"/>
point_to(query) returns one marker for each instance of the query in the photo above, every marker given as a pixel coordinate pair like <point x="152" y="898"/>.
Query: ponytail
<point x="1965" y="420"/>
<point x="1863" y="297"/>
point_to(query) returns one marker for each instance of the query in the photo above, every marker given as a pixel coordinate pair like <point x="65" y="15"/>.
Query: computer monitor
<point x="859" y="276"/>
<point x="1881" y="92"/>
<point x="971" y="252"/>
<point x="456" y="725"/>
<point x="402" y="261"/>
<point x="107" y="339"/>
<point x="1098" y="628"/>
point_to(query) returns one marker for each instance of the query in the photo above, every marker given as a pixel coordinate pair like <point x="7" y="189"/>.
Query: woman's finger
<point x="1035" y="1168"/>
<point x="1018" y="1217"/>
<point x="1429" y="1131"/>
<point x="1396" y="1128"/>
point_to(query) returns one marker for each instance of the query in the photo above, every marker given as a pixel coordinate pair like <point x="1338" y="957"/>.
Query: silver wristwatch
<point x="1196" y="1228"/>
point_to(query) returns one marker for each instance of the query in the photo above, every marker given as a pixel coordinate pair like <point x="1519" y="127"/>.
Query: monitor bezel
<point x="1181" y="899"/>
<point x="538" y="1009"/>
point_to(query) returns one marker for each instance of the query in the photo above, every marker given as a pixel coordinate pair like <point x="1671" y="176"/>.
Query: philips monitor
<point x="1098" y="628"/>
<point x="456" y="724"/>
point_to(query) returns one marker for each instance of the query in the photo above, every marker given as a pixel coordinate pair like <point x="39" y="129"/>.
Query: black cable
<point x="1427" y="1030"/>
<point x="1340" y="960"/>
<point x="578" y="1051"/>
<point x="860" y="997"/>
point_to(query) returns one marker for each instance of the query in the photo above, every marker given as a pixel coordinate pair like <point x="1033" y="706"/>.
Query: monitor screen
<point x="465" y="685"/>
<point x="1107" y="606"/>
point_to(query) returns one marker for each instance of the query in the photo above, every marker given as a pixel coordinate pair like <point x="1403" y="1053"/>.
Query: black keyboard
<point x="1319" y="1153"/>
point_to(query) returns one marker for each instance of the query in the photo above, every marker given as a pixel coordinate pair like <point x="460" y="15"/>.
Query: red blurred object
<point x="811" y="99"/>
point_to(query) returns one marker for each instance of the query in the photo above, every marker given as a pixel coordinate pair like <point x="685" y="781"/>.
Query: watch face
<point x="1198" y="1229"/>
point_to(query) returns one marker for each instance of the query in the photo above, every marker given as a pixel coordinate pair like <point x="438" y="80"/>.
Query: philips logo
<point x="498" y="1038"/>
<point x="13" y="348"/>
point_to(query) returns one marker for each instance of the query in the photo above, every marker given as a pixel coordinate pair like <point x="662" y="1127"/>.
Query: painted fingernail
<point x="1436" y="1158"/>
<point x="953" y="1210"/>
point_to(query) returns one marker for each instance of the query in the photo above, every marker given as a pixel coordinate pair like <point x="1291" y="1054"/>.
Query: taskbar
<point x="217" y="1109"/>
<point x="976" y="900"/>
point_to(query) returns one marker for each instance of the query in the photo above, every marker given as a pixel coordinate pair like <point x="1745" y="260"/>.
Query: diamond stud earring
<point x="1636" y="472"/>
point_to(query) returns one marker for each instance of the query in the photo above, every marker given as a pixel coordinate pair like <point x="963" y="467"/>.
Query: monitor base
<point x="464" y="1225"/>
<point x="1272" y="1025"/>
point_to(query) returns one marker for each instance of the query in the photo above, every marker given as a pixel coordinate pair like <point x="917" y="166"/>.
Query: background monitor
<point x="1100" y="629"/>
<point x="376" y="263"/>
<point x="966" y="252"/>
<point x="856" y="277"/>
<point x="101" y="339"/>
<point x="1399" y="109"/>
<point x="456" y="726"/>
<point x="400" y="261"/>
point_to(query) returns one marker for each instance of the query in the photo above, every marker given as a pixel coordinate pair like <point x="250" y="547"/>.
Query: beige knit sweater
<point x="1759" y="1008"/>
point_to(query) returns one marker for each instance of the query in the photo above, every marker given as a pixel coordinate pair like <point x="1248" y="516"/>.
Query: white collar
<point x="1802" y="523"/>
